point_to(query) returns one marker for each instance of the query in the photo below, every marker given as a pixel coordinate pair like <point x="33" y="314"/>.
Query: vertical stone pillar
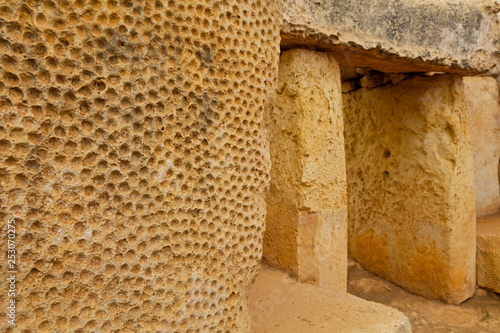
<point x="134" y="160"/>
<point x="410" y="185"/>
<point x="484" y="125"/>
<point x="306" y="206"/>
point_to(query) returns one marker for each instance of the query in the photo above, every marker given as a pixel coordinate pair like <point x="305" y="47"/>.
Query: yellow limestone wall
<point x="484" y="125"/>
<point x="306" y="227"/>
<point x="134" y="160"/>
<point x="484" y="108"/>
<point x="410" y="185"/>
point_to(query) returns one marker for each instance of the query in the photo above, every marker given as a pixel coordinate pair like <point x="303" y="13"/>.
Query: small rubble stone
<point x="397" y="77"/>
<point x="348" y="86"/>
<point x="372" y="80"/>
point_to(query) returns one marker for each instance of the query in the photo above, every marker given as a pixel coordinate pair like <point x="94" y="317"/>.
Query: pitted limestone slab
<point x="488" y="252"/>
<point x="134" y="159"/>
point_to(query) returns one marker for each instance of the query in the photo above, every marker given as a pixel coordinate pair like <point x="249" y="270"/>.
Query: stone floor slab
<point x="278" y="303"/>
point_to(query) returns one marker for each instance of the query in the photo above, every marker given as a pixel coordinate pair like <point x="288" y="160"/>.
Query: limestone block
<point x="484" y="125"/>
<point x="279" y="304"/>
<point x="488" y="252"/>
<point x="410" y="185"/>
<point x="397" y="35"/>
<point x="134" y="159"/>
<point x="306" y="206"/>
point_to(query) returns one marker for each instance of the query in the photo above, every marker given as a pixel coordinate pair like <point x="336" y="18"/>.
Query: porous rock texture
<point x="397" y="35"/>
<point x="306" y="227"/>
<point x="280" y="304"/>
<point x="134" y="160"/>
<point x="488" y="252"/>
<point x="484" y="124"/>
<point x="410" y="185"/>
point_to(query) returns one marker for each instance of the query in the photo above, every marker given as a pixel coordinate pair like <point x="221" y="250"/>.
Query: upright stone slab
<point x="484" y="124"/>
<point x="134" y="160"/>
<point x="306" y="206"/>
<point x="410" y="185"/>
<point x="488" y="252"/>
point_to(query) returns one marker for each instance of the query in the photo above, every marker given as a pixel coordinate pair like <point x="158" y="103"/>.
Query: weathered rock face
<point x="306" y="220"/>
<point x="484" y="125"/>
<point x="488" y="252"/>
<point x="397" y="35"/>
<point x="134" y="160"/>
<point x="410" y="185"/>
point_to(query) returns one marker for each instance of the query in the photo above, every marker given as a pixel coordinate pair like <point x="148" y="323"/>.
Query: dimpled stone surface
<point x="488" y="252"/>
<point x="134" y="160"/>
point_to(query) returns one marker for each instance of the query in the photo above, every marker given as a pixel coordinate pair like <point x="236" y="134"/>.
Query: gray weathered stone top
<point x="398" y="35"/>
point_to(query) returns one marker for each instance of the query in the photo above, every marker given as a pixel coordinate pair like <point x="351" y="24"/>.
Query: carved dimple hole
<point x="386" y="174"/>
<point x="387" y="153"/>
